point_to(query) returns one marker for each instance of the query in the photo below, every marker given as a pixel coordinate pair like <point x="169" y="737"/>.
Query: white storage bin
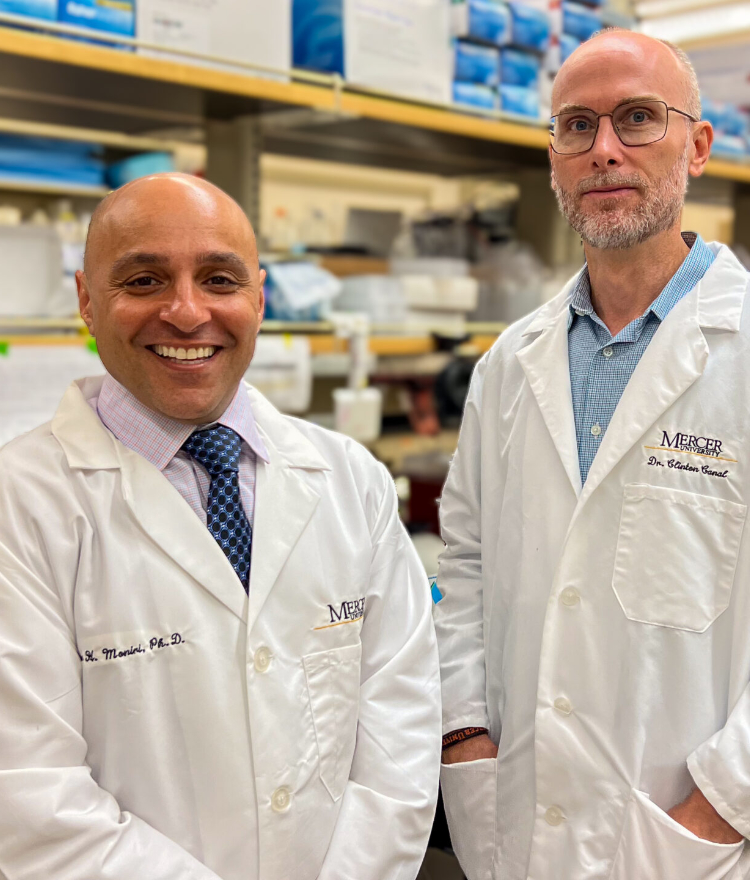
<point x="36" y="252"/>
<point x="381" y="297"/>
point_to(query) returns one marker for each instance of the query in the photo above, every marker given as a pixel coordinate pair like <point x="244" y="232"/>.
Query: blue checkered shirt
<point x="602" y="364"/>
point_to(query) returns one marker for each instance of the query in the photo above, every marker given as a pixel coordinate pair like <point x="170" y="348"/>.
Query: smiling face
<point x="172" y="291"/>
<point x="618" y="196"/>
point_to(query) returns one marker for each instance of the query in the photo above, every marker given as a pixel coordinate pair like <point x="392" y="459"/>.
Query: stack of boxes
<point x="498" y="50"/>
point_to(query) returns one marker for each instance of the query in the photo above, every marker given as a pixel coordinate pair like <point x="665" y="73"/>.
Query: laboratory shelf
<point x="126" y="93"/>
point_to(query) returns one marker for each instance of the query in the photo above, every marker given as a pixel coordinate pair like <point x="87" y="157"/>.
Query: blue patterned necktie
<point x="218" y="450"/>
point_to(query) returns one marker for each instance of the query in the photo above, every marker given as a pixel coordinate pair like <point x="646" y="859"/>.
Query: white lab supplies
<point x="357" y="412"/>
<point x="254" y="31"/>
<point x="32" y="258"/>
<point x="33" y="378"/>
<point x="379" y="296"/>
<point x="281" y="370"/>
<point x="452" y="294"/>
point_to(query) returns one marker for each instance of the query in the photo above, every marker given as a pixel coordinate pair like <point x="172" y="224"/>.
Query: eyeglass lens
<point x="635" y="124"/>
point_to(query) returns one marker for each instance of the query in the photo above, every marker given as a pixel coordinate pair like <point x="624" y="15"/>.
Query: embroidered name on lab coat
<point x="146" y="646"/>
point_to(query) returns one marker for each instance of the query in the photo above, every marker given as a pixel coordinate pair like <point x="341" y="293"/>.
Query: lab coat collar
<point x="284" y="502"/>
<point x="677" y="356"/>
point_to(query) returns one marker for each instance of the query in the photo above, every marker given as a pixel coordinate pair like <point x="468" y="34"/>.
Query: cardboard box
<point x="476" y="64"/>
<point x="106" y="16"/>
<point x="484" y="20"/>
<point x="251" y="31"/>
<point x="397" y="46"/>
<point x="46" y="9"/>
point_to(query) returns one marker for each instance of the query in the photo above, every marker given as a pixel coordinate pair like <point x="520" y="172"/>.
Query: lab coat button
<point x="281" y="799"/>
<point x="608" y="351"/>
<point x="596" y="429"/>
<point x="262" y="659"/>
<point x="554" y="816"/>
<point x="563" y="706"/>
<point x="570" y="597"/>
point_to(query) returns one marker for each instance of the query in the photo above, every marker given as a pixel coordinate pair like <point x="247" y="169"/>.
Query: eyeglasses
<point x="635" y="123"/>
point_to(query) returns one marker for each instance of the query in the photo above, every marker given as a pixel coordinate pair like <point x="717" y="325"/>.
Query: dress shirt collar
<point x="692" y="269"/>
<point x="157" y="437"/>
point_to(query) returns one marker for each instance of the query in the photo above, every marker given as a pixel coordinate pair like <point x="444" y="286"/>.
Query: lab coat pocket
<point x="333" y="687"/>
<point x="470" y="799"/>
<point x="676" y="556"/>
<point x="655" y="847"/>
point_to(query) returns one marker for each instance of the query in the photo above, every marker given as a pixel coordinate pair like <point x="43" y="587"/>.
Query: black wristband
<point x="457" y="736"/>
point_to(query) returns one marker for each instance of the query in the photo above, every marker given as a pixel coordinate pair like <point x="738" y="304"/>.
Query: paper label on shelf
<point x="33" y="380"/>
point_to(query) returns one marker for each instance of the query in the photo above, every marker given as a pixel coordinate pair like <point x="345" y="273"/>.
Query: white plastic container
<point x="37" y="250"/>
<point x="357" y="412"/>
<point x="453" y="294"/>
<point x="379" y="296"/>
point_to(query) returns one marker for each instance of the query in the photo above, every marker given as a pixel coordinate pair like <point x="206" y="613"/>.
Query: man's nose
<point x="187" y="307"/>
<point x="607" y="151"/>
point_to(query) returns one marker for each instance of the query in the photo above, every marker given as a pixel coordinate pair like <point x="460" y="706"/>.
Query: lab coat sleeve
<point x="56" y="823"/>
<point x="459" y="614"/>
<point x="720" y="767"/>
<point x="389" y="801"/>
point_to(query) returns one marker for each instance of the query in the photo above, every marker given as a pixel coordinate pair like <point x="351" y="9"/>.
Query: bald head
<point x="159" y="194"/>
<point x="172" y="290"/>
<point x="668" y="61"/>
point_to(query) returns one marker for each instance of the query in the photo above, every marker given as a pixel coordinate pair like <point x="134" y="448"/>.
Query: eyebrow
<point x="637" y="99"/>
<point x="226" y="259"/>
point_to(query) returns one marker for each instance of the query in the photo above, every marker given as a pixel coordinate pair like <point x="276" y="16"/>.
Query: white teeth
<point x="181" y="354"/>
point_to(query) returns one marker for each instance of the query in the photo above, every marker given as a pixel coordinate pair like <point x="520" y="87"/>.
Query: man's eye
<point x="580" y="125"/>
<point x="143" y="281"/>
<point x="221" y="280"/>
<point x="639" y="116"/>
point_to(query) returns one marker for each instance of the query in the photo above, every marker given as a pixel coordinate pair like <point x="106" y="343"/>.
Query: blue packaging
<point x="138" y="166"/>
<point x="580" y="21"/>
<point x="109" y="16"/>
<point x="46" y="9"/>
<point x="487" y="20"/>
<point x="517" y="99"/>
<point x="729" y="145"/>
<point x="318" y="35"/>
<point x="476" y="64"/>
<point x="568" y="45"/>
<point x="530" y="27"/>
<point x="519" y="68"/>
<point x="475" y="95"/>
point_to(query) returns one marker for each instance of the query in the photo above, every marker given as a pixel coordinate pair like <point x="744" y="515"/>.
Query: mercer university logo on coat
<point x="345" y="612"/>
<point x="680" y="442"/>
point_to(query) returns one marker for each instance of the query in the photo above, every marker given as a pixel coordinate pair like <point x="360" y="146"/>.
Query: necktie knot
<point x="216" y="448"/>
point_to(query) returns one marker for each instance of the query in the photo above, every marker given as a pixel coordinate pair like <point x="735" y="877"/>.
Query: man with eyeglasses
<point x="594" y="625"/>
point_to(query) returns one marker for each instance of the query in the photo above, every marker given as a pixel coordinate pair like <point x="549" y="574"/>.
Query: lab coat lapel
<point x="284" y="500"/>
<point x="545" y="363"/>
<point x="673" y="360"/>
<point x="167" y="518"/>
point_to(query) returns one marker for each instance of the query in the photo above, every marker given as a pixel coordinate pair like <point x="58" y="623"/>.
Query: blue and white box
<point x="106" y="16"/>
<point x="476" y="64"/>
<point x="530" y="28"/>
<point x="474" y="95"/>
<point x="519" y="100"/>
<point x="397" y="46"/>
<point x="486" y="20"/>
<point x="580" y="21"/>
<point x="46" y="9"/>
<point x="519" y="68"/>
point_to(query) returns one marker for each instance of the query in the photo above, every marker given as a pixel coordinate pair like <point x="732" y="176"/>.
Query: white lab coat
<point x="157" y="724"/>
<point x="602" y="633"/>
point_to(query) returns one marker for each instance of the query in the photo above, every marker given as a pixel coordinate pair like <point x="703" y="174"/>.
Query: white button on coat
<point x="281" y="800"/>
<point x="664" y="554"/>
<point x="554" y="816"/>
<point x="262" y="659"/>
<point x="563" y="705"/>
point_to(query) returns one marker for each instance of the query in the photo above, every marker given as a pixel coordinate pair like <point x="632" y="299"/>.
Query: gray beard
<point x="613" y="227"/>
